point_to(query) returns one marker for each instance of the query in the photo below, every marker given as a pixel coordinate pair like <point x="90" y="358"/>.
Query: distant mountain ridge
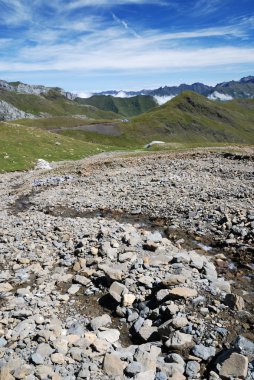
<point x="244" y="88"/>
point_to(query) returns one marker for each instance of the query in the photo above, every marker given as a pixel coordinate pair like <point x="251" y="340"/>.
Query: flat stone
<point x="179" y="341"/>
<point x="147" y="375"/>
<point x="110" y="335"/>
<point x="74" y="289"/>
<point x="203" y="352"/>
<point x="192" y="369"/>
<point x="158" y="260"/>
<point x="236" y="366"/>
<point x="5" y="287"/>
<point x="148" y="333"/>
<point x="82" y="280"/>
<point x="114" y="274"/>
<point x="162" y="295"/>
<point x="113" y="365"/>
<point x="179" y="322"/>
<point x="183" y="292"/>
<point x="5" y="374"/>
<point x="174" y="279"/>
<point x="102" y="321"/>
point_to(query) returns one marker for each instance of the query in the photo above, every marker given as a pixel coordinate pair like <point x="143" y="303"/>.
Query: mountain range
<point x="244" y="88"/>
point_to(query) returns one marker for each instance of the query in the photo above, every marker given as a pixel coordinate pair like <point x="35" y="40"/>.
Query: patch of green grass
<point x="20" y="147"/>
<point x="127" y="107"/>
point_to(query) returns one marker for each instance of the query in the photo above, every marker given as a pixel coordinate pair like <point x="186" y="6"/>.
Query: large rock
<point x="236" y="366"/>
<point x="182" y="292"/>
<point x="115" y="274"/>
<point x="113" y="365"/>
<point x="245" y="346"/>
<point x="148" y="333"/>
<point x="234" y="301"/>
<point x="5" y="287"/>
<point x="117" y="290"/>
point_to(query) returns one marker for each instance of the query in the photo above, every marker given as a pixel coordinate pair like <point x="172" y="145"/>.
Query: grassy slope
<point x="188" y="120"/>
<point x="192" y="118"/>
<point x="53" y="105"/>
<point x="124" y="106"/>
<point x="20" y="147"/>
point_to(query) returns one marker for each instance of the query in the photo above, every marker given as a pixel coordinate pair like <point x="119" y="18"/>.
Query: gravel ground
<point x="128" y="268"/>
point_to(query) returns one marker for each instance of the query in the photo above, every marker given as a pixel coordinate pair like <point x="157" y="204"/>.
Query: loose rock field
<point x="128" y="268"/>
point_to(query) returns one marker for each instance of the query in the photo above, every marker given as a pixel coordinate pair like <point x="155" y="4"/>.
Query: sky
<point x="97" y="45"/>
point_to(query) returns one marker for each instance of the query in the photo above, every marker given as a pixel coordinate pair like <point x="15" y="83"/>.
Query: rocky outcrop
<point x="9" y="112"/>
<point x="23" y="88"/>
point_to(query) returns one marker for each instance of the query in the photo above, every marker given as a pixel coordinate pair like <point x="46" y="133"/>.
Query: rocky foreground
<point x="128" y="268"/>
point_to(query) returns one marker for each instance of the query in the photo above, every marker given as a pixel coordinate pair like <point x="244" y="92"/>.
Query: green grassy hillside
<point x="192" y="118"/>
<point x="21" y="146"/>
<point x="53" y="105"/>
<point x="124" y="106"/>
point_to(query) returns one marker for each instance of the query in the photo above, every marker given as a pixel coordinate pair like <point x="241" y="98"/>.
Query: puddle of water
<point x="205" y="247"/>
<point x="91" y="306"/>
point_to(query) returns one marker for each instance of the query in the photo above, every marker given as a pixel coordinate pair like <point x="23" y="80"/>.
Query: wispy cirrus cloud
<point x="125" y="25"/>
<point x="103" y="36"/>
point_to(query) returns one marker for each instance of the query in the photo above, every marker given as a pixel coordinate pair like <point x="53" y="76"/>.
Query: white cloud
<point x="109" y="3"/>
<point x="83" y="94"/>
<point x="219" y="96"/>
<point x="163" y="99"/>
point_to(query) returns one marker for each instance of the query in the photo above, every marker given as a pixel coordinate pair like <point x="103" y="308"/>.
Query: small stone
<point x="74" y="289"/>
<point x="179" y="322"/>
<point x="133" y="368"/>
<point x="82" y="280"/>
<point x="128" y="299"/>
<point x="58" y="358"/>
<point x="235" y="366"/>
<point x="148" y="333"/>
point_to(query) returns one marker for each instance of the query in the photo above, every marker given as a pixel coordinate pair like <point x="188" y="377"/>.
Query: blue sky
<point x="93" y="45"/>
